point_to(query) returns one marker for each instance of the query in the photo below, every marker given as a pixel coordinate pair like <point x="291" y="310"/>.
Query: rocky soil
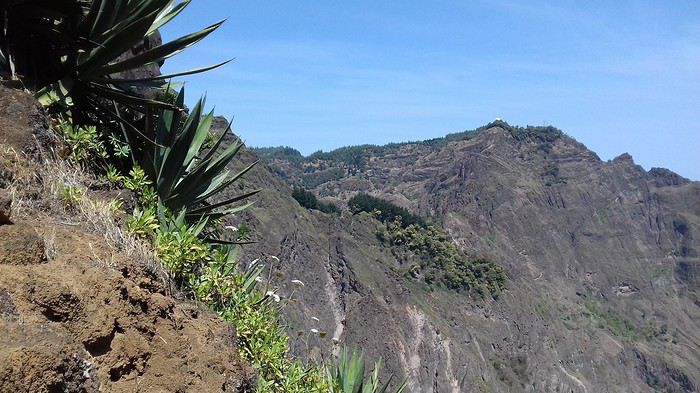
<point x="602" y="259"/>
<point x="77" y="314"/>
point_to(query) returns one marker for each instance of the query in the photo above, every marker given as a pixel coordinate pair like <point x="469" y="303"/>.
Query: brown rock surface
<point x="20" y="245"/>
<point x="23" y="124"/>
<point x="5" y="207"/>
<point x="75" y="324"/>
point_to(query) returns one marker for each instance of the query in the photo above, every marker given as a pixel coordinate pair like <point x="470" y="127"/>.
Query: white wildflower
<point x="315" y="319"/>
<point x="298" y="282"/>
<point x="275" y="296"/>
<point x="258" y="278"/>
<point x="314" y="331"/>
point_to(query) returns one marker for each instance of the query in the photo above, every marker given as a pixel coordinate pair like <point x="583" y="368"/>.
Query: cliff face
<point x="602" y="260"/>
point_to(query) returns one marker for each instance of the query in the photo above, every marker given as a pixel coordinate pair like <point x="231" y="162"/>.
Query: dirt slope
<point x="77" y="314"/>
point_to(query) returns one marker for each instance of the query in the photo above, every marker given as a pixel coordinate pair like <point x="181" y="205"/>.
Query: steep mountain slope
<point x="601" y="257"/>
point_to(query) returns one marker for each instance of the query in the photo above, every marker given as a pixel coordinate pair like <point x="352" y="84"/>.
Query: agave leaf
<point x="158" y="53"/>
<point x="227" y="183"/>
<point x="215" y="215"/>
<point x="199" y="137"/>
<point x="225" y="202"/>
<point x="132" y="11"/>
<point x="169" y="13"/>
<point x="207" y="157"/>
<point x="86" y="25"/>
<point x="213" y="240"/>
<point x="164" y="76"/>
<point x="131" y="100"/>
<point x="199" y="186"/>
<point x="173" y="160"/>
<point x="114" y="45"/>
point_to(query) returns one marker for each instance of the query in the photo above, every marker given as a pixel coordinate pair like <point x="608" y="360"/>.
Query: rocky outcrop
<point x="23" y="123"/>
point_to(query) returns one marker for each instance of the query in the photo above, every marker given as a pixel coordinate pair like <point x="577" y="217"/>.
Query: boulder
<point x="20" y="245"/>
<point x="23" y="123"/>
<point x="5" y="204"/>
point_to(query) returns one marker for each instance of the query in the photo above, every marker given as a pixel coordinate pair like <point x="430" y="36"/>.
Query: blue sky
<point x="619" y="76"/>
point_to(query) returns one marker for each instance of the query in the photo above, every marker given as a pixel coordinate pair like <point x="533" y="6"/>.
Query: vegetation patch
<point x="622" y="327"/>
<point x="440" y="262"/>
<point x="308" y="200"/>
<point x="384" y="210"/>
<point x="315" y="179"/>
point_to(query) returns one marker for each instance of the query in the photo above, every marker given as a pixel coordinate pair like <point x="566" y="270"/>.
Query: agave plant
<point x="71" y="51"/>
<point x="186" y="174"/>
<point x="349" y="375"/>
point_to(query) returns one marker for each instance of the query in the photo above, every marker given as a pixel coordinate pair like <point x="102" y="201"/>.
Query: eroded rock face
<point x="20" y="245"/>
<point x="23" y="124"/>
<point x="5" y="207"/>
<point x="75" y="324"/>
<point x="602" y="260"/>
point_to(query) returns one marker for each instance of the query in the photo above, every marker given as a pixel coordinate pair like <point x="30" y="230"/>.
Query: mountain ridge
<point x="601" y="258"/>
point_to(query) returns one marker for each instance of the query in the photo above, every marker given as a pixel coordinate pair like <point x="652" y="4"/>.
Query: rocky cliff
<point x="601" y="257"/>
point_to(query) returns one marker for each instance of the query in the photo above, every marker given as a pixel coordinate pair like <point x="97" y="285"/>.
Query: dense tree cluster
<point x="308" y="200"/>
<point x="384" y="210"/>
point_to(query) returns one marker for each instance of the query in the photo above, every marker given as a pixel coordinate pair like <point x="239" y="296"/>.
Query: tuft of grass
<point x="38" y="189"/>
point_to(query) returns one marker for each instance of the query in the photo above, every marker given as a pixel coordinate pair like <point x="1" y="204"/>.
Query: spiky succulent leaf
<point x="71" y="51"/>
<point x="186" y="176"/>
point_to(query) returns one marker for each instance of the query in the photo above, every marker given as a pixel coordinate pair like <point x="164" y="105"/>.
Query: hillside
<point x="601" y="259"/>
<point x="84" y="307"/>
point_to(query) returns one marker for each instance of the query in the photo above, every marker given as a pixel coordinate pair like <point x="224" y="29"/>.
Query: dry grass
<point x="58" y="191"/>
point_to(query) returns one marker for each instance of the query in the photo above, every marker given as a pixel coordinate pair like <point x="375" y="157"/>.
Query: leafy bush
<point x="384" y="210"/>
<point x="442" y="263"/>
<point x="142" y="222"/>
<point x="308" y="200"/>
<point x="83" y="142"/>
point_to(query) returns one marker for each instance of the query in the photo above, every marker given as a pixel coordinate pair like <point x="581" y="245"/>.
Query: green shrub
<point x="442" y="263"/>
<point x="71" y="195"/>
<point x="83" y="142"/>
<point x="282" y="153"/>
<point x="142" y="223"/>
<point x="385" y="211"/>
<point x="315" y="179"/>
